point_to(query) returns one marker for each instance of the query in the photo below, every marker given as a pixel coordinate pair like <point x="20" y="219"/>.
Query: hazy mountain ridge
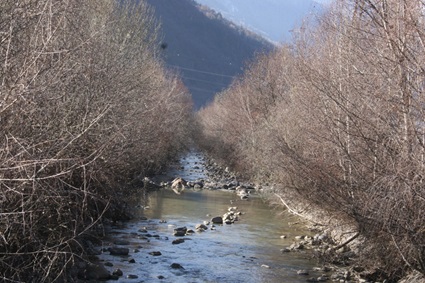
<point x="281" y="16"/>
<point x="208" y="51"/>
<point x="243" y="29"/>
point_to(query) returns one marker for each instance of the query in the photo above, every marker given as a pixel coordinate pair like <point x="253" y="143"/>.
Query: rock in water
<point x="118" y="272"/>
<point x="155" y="253"/>
<point x="217" y="220"/>
<point x="118" y="251"/>
<point x="176" y="266"/>
<point x="201" y="227"/>
<point x="180" y="231"/>
<point x="177" y="241"/>
<point x="178" y="185"/>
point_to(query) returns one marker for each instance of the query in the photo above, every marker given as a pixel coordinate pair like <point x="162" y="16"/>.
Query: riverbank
<point x="333" y="243"/>
<point x="336" y="242"/>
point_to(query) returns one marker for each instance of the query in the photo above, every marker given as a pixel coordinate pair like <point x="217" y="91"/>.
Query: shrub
<point x="336" y="118"/>
<point x="86" y="106"/>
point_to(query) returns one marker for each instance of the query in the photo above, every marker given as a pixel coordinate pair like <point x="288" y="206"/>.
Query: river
<point x="247" y="251"/>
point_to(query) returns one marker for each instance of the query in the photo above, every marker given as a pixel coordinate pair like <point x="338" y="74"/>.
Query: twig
<point x="346" y="242"/>
<point x="401" y="254"/>
<point x="297" y="213"/>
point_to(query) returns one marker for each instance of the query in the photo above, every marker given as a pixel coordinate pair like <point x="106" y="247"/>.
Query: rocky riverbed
<point x="216" y="230"/>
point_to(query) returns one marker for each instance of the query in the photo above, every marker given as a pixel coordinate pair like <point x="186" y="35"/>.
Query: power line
<point x="202" y="72"/>
<point x="202" y="89"/>
<point x="205" y="81"/>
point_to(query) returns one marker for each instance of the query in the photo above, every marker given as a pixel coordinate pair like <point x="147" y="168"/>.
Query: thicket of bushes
<point x="85" y="107"/>
<point x="337" y="118"/>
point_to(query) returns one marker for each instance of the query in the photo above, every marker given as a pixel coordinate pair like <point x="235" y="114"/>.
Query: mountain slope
<point x="206" y="50"/>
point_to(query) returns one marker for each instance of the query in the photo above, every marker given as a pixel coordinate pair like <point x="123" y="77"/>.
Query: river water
<point x="246" y="251"/>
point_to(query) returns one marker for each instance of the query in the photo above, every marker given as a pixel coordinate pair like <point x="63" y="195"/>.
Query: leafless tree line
<point x="337" y="118"/>
<point x="85" y="106"/>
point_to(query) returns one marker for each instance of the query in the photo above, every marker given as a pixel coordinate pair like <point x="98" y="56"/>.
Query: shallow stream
<point x="247" y="251"/>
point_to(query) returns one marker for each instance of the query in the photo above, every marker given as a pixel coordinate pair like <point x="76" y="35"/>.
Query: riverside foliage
<point x="337" y="119"/>
<point x="85" y="107"/>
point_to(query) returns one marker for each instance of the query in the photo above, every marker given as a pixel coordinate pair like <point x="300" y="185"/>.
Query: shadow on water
<point x="246" y="251"/>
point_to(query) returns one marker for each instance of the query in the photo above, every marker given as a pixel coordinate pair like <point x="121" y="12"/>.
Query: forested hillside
<point x="204" y="48"/>
<point x="336" y="121"/>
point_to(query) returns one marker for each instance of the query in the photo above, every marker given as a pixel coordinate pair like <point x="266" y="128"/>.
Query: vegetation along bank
<point x="86" y="106"/>
<point x="336" y="121"/>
